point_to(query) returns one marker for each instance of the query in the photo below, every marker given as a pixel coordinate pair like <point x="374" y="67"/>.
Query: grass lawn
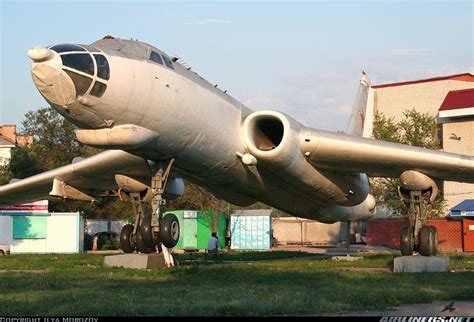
<point x="80" y="285"/>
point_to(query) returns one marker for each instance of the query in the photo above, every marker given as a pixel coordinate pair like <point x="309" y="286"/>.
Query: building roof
<point x="6" y="142"/>
<point x="466" y="77"/>
<point x="466" y="205"/>
<point x="463" y="98"/>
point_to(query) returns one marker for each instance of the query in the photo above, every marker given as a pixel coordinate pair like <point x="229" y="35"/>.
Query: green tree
<point x="416" y="129"/>
<point x="54" y="138"/>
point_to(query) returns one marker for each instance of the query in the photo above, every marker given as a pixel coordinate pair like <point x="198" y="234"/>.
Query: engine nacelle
<point x="273" y="138"/>
<point x="416" y="181"/>
<point x="174" y="188"/>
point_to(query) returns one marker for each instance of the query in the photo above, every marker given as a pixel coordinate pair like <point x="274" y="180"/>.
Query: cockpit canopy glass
<point x="168" y="62"/>
<point x="66" y="47"/>
<point x="80" y="62"/>
<point x="154" y="56"/>
<point x="103" y="70"/>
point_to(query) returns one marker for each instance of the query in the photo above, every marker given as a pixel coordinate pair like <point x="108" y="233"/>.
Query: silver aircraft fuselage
<point x="164" y="110"/>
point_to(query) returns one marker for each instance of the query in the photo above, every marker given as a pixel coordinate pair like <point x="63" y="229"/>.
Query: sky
<point x="302" y="58"/>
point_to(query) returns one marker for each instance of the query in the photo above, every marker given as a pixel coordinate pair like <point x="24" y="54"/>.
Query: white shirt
<point x="212" y="243"/>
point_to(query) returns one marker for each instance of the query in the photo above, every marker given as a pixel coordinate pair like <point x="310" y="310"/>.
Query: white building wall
<point x="63" y="235"/>
<point x="5" y="155"/>
<point x="424" y="97"/>
<point x="456" y="192"/>
<point x="6" y="230"/>
<point x="36" y="245"/>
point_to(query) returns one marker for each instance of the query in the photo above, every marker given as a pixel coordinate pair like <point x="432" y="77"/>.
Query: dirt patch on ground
<point x="32" y="271"/>
<point x="364" y="269"/>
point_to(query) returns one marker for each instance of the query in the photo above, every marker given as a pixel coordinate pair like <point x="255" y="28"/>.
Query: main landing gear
<point x="416" y="237"/>
<point x="151" y="231"/>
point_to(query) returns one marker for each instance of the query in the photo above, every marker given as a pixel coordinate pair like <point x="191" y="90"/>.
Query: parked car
<point x="106" y="240"/>
<point x="4" y="249"/>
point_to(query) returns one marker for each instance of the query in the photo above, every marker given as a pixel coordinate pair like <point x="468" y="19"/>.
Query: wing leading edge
<point x="92" y="175"/>
<point x="347" y="153"/>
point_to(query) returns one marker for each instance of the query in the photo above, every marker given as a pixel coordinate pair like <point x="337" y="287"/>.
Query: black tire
<point x="147" y="232"/>
<point x="141" y="246"/>
<point x="406" y="241"/>
<point x="2" y="252"/>
<point x="428" y="241"/>
<point x="126" y="241"/>
<point x="169" y="230"/>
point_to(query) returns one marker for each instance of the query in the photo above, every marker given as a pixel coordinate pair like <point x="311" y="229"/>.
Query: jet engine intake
<point x="274" y="139"/>
<point x="416" y="181"/>
<point x="269" y="135"/>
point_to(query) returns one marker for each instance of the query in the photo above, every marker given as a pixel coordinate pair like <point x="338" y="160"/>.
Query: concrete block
<point x="418" y="263"/>
<point x="347" y="258"/>
<point x="138" y="261"/>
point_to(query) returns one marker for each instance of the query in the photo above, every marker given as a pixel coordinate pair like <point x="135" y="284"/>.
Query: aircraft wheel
<point x="142" y="247"/>
<point x="169" y="230"/>
<point x="126" y="242"/>
<point x="146" y="232"/>
<point x="428" y="241"/>
<point x="406" y="241"/>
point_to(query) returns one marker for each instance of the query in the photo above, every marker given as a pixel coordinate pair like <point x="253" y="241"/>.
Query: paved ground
<point x="336" y="250"/>
<point x="438" y="308"/>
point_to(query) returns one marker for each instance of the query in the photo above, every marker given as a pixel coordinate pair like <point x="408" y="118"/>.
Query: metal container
<point x="251" y="230"/>
<point x="194" y="231"/>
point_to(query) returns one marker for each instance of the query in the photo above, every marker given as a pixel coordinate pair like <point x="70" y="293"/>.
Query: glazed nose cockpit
<point x="64" y="73"/>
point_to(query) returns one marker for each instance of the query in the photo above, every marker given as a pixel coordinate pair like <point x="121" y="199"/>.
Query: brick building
<point x="451" y="100"/>
<point x="9" y="139"/>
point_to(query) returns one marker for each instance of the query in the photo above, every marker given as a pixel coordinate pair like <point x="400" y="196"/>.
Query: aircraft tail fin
<point x="362" y="116"/>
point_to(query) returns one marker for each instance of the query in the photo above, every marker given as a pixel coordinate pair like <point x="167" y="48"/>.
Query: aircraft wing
<point x="87" y="177"/>
<point x="347" y="153"/>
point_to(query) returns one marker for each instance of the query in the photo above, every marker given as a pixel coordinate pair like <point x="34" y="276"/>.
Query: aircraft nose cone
<point x="38" y="54"/>
<point x="54" y="84"/>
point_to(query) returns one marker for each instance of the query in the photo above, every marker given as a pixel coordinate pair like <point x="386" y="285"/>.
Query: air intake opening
<point x="268" y="133"/>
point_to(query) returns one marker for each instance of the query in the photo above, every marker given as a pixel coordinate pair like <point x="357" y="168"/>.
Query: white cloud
<point x="208" y="21"/>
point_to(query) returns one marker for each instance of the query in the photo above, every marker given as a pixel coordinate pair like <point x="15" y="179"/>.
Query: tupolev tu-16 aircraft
<point x="160" y="123"/>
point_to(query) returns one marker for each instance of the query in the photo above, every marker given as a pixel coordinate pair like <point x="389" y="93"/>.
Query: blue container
<point x="250" y="232"/>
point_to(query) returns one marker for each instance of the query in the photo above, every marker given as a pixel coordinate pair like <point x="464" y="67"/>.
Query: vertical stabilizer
<point x="362" y="117"/>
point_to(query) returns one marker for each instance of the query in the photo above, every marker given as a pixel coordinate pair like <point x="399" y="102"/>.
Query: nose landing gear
<point x="151" y="231"/>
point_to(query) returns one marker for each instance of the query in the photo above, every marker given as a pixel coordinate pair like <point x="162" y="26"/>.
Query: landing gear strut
<point x="416" y="237"/>
<point x="151" y="230"/>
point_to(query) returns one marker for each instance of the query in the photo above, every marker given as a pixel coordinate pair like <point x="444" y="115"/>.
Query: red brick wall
<point x="384" y="232"/>
<point x="387" y="233"/>
<point x="449" y="234"/>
